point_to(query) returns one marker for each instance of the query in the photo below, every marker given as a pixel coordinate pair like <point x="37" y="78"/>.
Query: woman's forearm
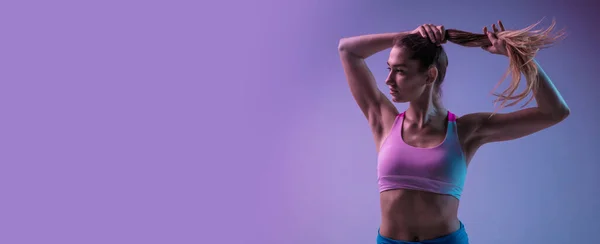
<point x="367" y="45"/>
<point x="547" y="97"/>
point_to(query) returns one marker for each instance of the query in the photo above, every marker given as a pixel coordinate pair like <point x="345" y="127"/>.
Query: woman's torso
<point x="413" y="214"/>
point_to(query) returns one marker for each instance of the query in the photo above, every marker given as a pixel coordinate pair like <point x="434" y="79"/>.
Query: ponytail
<point x="522" y="46"/>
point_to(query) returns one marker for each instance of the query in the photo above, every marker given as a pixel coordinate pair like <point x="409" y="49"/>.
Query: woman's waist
<point x="414" y="210"/>
<point x="424" y="232"/>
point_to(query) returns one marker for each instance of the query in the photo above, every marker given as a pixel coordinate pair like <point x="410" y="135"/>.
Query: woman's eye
<point x="396" y="70"/>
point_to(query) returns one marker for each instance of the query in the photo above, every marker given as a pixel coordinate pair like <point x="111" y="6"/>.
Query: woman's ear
<point x="432" y="75"/>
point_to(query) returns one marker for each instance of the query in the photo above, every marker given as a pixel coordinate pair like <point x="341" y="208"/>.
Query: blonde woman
<point x="423" y="152"/>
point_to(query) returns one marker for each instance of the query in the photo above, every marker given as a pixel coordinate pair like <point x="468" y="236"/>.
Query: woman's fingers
<point x="501" y="25"/>
<point x="430" y="33"/>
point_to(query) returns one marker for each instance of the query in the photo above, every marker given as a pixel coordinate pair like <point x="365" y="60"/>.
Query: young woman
<point x="423" y="152"/>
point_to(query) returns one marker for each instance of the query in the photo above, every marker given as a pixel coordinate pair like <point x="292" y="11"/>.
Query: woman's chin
<point x="397" y="99"/>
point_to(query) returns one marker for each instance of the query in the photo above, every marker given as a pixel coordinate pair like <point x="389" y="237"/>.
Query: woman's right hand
<point x="435" y="34"/>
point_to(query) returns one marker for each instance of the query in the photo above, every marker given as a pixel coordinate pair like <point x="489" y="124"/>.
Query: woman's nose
<point x="389" y="81"/>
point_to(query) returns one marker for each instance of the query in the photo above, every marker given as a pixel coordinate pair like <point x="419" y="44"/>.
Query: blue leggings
<point x="458" y="237"/>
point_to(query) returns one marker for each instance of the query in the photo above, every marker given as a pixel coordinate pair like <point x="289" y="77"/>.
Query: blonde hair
<point x="522" y="46"/>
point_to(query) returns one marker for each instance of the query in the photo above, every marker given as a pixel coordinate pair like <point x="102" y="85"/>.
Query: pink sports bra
<point x="441" y="169"/>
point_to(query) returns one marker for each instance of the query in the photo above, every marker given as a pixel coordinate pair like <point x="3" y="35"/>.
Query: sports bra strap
<point x="451" y="117"/>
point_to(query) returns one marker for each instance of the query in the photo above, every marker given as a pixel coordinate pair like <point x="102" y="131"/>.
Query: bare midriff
<point x="408" y="215"/>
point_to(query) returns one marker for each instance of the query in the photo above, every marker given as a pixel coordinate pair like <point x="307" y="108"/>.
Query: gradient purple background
<point x="193" y="122"/>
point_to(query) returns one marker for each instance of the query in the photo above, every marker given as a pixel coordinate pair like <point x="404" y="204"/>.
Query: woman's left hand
<point x="498" y="45"/>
